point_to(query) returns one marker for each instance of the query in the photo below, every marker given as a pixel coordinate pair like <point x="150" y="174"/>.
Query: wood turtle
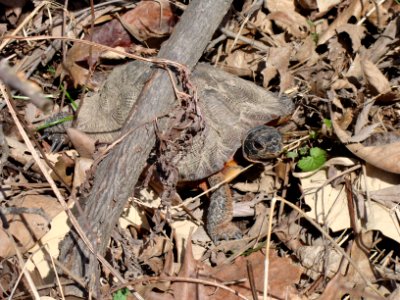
<point x="234" y="111"/>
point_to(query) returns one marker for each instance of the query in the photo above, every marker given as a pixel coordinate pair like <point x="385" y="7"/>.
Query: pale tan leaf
<point x="284" y="14"/>
<point x="388" y="194"/>
<point x="364" y="133"/>
<point x="375" y="77"/>
<point x="83" y="143"/>
<point x="329" y="205"/>
<point x="386" y="157"/>
<point x="262" y="22"/>
<point x="182" y="233"/>
<point x="60" y="226"/>
<point x="354" y="9"/>
<point x="362" y="119"/>
<point x="240" y="63"/>
<point x="325" y="5"/>
<point x="27" y="228"/>
<point x="356" y="34"/>
<point x="292" y="22"/>
<point x="306" y="52"/>
<point x="268" y="74"/>
<point x="355" y="72"/>
<point x="381" y="46"/>
<point x="82" y="166"/>
<point x="279" y="58"/>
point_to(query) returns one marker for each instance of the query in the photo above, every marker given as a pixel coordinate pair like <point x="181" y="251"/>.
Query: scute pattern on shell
<point x="230" y="105"/>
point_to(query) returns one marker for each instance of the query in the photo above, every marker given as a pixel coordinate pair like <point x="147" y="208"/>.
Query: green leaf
<point x="328" y="123"/>
<point x="314" y="161"/>
<point x="313" y="134"/>
<point x="121" y="294"/>
<point x="292" y="154"/>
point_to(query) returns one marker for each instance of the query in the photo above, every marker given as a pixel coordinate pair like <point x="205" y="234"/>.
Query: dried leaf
<point x="354" y="9"/>
<point x="329" y="205"/>
<point x="279" y="58"/>
<point x="356" y="34"/>
<point x="388" y="194"/>
<point x="27" y="228"/>
<point x="382" y="44"/>
<point x="325" y="5"/>
<point x="364" y="133"/>
<point x="375" y="77"/>
<point x="146" y="22"/>
<point x="308" y="4"/>
<point x="82" y="142"/>
<point x="386" y="157"/>
<point x="241" y="63"/>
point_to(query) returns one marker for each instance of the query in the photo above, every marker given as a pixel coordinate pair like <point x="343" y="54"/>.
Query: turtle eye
<point x="257" y="145"/>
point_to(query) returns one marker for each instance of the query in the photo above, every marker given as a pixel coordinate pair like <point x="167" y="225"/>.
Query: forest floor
<point x="323" y="217"/>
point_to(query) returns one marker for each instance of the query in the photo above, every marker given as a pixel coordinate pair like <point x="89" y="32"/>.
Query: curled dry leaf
<point x="284" y="14"/>
<point x="82" y="167"/>
<point x="354" y="9"/>
<point x="83" y="143"/>
<point x="356" y="34"/>
<point x="151" y="20"/>
<point x="385" y="157"/>
<point x="27" y="228"/>
<point x="375" y="77"/>
<point x="382" y="44"/>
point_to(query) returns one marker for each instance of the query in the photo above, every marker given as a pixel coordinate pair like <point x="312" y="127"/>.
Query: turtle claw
<point x="224" y="232"/>
<point x="57" y="142"/>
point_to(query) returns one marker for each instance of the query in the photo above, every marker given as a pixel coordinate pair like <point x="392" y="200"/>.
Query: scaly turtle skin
<point x="234" y="111"/>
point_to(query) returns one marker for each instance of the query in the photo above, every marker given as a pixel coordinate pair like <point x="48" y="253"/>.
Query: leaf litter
<point x="338" y="60"/>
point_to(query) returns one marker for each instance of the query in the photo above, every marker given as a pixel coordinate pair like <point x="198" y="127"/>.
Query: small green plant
<point x="55" y="122"/>
<point x="313" y="33"/>
<point x="51" y="70"/>
<point x="68" y="96"/>
<point x="313" y="161"/>
<point x="121" y="294"/>
<point x="328" y="122"/>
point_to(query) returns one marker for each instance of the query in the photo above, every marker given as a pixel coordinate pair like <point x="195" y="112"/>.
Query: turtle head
<point x="262" y="143"/>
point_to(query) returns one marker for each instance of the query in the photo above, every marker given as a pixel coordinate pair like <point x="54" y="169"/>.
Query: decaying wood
<point x="118" y="173"/>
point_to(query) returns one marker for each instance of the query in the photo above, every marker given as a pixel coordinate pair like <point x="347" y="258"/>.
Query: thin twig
<point x="8" y="76"/>
<point x="161" y="62"/>
<point x="24" y="270"/>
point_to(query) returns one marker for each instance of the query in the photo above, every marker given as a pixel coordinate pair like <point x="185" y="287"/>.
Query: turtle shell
<point x="231" y="106"/>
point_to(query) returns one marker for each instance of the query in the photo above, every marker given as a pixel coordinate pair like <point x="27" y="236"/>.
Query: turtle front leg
<point x="220" y="212"/>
